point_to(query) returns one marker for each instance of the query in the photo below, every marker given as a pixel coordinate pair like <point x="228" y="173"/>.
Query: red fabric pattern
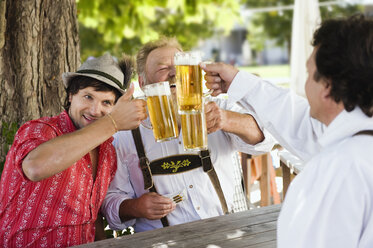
<point x="59" y="211"/>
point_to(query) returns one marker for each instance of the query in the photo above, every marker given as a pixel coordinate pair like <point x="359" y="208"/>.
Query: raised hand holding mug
<point x="161" y="111"/>
<point x="189" y="84"/>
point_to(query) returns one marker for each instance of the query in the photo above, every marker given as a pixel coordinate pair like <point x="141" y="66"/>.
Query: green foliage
<point x="276" y="25"/>
<point x="121" y="26"/>
<point x="338" y="11"/>
<point x="187" y="33"/>
<point x="8" y="132"/>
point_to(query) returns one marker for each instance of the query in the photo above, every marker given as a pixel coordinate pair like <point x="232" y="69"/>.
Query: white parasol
<point x="306" y="18"/>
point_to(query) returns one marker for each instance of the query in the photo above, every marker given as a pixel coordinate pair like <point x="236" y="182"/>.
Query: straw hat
<point x="103" y="68"/>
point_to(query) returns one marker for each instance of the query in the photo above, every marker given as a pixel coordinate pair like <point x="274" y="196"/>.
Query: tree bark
<point x="38" y="42"/>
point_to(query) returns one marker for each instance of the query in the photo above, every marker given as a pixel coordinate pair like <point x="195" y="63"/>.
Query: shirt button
<point x="190" y="186"/>
<point x="197" y="208"/>
<point x="179" y="142"/>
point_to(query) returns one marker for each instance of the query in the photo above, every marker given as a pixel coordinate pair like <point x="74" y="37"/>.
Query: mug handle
<point x="209" y="92"/>
<point x="145" y="123"/>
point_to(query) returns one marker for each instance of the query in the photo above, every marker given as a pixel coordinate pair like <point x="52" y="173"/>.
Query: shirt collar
<point x="346" y="124"/>
<point x="69" y="123"/>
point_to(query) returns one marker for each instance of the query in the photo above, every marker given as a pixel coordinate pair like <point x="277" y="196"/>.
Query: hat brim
<point x="67" y="76"/>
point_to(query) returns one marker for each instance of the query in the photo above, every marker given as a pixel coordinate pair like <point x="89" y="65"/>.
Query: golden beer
<point x="188" y="82"/>
<point x="194" y="131"/>
<point x="161" y="111"/>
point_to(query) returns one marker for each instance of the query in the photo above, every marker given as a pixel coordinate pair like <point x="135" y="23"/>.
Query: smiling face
<point x="88" y="105"/>
<point x="160" y="65"/>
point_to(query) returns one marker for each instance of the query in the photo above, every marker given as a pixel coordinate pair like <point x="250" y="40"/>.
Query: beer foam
<point x="157" y="89"/>
<point x="191" y="58"/>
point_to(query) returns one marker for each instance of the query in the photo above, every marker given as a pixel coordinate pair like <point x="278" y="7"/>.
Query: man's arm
<point x="63" y="151"/>
<point x="242" y="125"/>
<point x="281" y="112"/>
<point x="151" y="206"/>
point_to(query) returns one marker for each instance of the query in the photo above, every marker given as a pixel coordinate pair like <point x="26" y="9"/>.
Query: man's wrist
<point x="126" y="210"/>
<point x="113" y="122"/>
<point x="224" y="120"/>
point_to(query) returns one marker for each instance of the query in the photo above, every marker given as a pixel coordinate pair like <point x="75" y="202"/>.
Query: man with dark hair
<point x="330" y="203"/>
<point x="128" y="203"/>
<point x="59" y="168"/>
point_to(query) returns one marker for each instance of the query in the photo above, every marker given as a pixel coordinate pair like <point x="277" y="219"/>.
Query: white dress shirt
<point x="330" y="203"/>
<point x="202" y="201"/>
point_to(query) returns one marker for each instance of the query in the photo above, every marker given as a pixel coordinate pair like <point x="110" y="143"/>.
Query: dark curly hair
<point x="126" y="64"/>
<point x="344" y="56"/>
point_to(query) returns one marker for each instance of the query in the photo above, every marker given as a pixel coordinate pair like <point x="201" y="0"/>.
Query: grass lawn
<point x="281" y="72"/>
<point x="268" y="71"/>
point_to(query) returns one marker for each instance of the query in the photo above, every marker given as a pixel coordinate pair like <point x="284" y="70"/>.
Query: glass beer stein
<point x="161" y="111"/>
<point x="194" y="131"/>
<point x="188" y="82"/>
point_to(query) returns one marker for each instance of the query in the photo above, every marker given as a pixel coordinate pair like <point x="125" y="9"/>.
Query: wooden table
<point x="250" y="228"/>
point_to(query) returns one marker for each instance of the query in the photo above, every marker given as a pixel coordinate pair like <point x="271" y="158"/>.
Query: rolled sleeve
<point x="110" y="209"/>
<point x="242" y="83"/>
<point x="30" y="136"/>
<point x="263" y="147"/>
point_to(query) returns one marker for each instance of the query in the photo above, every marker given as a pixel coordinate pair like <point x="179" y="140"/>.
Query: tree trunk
<point x="38" y="42"/>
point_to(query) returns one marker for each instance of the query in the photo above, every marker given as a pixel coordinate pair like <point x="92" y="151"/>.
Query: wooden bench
<point x="265" y="161"/>
<point x="290" y="164"/>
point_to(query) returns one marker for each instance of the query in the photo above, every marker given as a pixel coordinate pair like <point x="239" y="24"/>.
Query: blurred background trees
<point x="39" y="40"/>
<point x="123" y="26"/>
<point x="270" y="24"/>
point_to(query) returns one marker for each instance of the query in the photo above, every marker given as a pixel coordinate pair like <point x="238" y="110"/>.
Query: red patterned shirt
<point x="58" y="211"/>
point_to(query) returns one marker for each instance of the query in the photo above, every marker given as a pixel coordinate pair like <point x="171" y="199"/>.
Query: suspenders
<point x="209" y="169"/>
<point x="145" y="168"/>
<point x="364" y="132"/>
<point x="144" y="162"/>
<point x="147" y="173"/>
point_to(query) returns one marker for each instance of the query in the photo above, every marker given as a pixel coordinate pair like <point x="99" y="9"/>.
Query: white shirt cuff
<point x="242" y="84"/>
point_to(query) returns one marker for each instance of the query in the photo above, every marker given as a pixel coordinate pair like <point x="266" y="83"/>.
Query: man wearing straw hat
<point x="128" y="203"/>
<point x="59" y="168"/>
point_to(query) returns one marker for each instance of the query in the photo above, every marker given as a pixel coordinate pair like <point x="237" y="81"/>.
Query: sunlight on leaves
<point x="122" y="25"/>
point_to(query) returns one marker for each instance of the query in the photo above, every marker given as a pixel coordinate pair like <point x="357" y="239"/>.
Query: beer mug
<point x="188" y="82"/>
<point x="161" y="111"/>
<point x="194" y="131"/>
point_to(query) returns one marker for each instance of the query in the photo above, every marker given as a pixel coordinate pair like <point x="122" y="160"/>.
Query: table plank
<point x="269" y="244"/>
<point x="243" y="229"/>
<point x="241" y="240"/>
